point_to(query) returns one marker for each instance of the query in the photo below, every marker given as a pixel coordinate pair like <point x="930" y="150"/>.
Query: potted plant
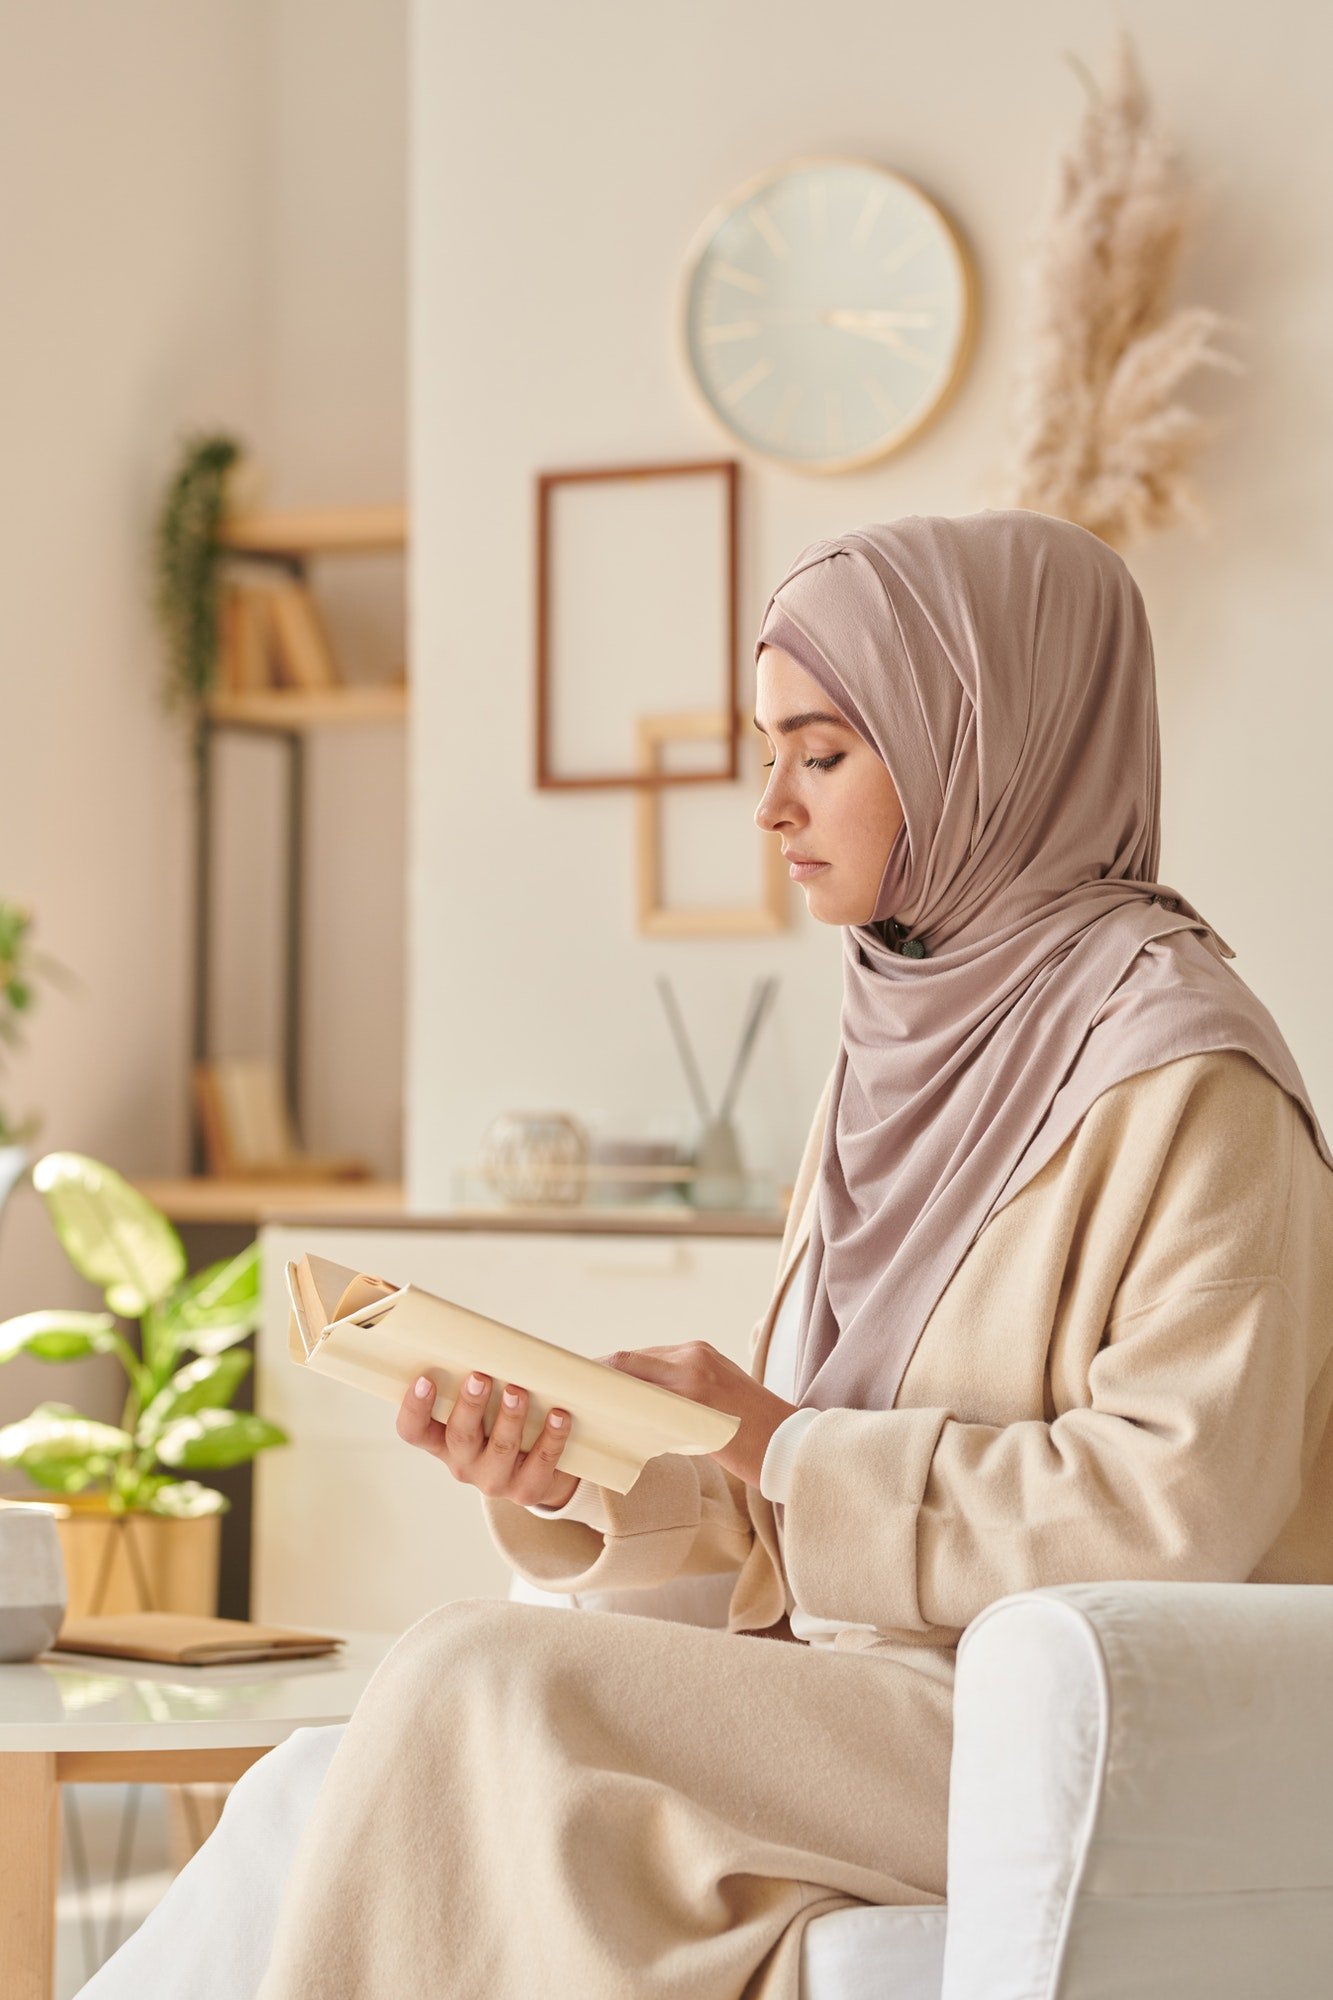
<point x="136" y="1535"/>
<point x="20" y="962"/>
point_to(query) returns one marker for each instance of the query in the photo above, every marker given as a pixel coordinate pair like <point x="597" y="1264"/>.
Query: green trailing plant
<point x="186" y="581"/>
<point x="176" y="1417"/>
<point x="21" y="963"/>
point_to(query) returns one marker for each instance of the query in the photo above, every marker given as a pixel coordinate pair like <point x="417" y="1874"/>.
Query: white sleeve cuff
<point x="547" y="1512"/>
<point x="775" y="1473"/>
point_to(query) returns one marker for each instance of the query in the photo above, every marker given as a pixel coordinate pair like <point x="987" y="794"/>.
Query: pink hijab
<point x="1001" y="665"/>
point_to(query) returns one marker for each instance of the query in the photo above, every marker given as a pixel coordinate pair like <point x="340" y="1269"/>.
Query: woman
<point x="1064" y="1233"/>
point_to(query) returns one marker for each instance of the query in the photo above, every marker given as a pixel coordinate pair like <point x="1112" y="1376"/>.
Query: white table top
<point x="56" y="1703"/>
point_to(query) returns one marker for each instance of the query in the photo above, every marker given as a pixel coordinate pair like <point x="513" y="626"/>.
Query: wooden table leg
<point x="29" y="1872"/>
<point x="30" y="1784"/>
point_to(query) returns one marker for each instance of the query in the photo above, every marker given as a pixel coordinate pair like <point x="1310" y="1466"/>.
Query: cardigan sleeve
<point x="683" y="1516"/>
<point x="1185" y="1461"/>
<point x="780" y="1454"/>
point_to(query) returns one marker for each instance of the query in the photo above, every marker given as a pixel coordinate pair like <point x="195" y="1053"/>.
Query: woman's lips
<point x="798" y="870"/>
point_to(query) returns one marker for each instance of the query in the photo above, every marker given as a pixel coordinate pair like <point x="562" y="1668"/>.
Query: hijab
<point x="1023" y="954"/>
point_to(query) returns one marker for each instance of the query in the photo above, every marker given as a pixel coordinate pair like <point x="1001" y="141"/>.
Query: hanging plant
<point x="186" y="583"/>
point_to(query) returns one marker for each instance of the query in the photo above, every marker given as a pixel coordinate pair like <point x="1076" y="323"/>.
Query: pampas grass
<point x="1100" y="436"/>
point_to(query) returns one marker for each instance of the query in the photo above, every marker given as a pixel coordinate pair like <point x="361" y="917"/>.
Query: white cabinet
<point x="355" y="1529"/>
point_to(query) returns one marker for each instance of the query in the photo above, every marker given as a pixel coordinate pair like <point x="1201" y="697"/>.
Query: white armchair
<point x="1140" y="1800"/>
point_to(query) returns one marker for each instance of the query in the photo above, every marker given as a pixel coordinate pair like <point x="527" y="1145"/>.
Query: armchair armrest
<point x="1141" y="1794"/>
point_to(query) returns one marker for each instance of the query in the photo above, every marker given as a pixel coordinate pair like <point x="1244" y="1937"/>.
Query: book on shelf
<point x="301" y="642"/>
<point x="244" y="639"/>
<point x="247" y="1130"/>
<point x="372" y="1334"/>
<point x="182" y="1639"/>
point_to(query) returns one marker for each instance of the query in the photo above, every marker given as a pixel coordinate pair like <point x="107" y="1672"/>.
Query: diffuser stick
<point x="767" y="988"/>
<point x="684" y="1050"/>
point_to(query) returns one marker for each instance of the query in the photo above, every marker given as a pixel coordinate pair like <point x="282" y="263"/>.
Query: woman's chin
<point x="825" y="903"/>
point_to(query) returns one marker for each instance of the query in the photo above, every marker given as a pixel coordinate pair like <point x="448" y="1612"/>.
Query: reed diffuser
<point x="719" y="1171"/>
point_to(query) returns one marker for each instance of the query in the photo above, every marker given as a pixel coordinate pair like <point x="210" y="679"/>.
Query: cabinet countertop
<point x="382" y="1205"/>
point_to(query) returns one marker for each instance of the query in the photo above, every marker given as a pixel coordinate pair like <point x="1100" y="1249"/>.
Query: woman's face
<point x="829" y="795"/>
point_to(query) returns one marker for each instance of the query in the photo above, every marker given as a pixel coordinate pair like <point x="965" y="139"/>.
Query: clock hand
<point x="862" y="319"/>
<point x="852" y="316"/>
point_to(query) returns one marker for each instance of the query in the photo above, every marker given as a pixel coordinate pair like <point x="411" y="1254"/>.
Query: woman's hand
<point x="494" y="1465"/>
<point x="698" y="1371"/>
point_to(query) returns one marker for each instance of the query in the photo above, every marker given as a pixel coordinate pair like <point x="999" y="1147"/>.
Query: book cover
<point x="376" y="1336"/>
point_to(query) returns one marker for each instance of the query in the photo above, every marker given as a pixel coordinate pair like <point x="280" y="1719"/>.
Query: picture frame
<point x="656" y="919"/>
<point x="549" y="486"/>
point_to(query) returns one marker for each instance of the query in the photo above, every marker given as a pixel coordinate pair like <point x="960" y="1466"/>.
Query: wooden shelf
<point x="209" y="1198"/>
<point x="299" y="709"/>
<point x="311" y="531"/>
<point x="382" y="1205"/>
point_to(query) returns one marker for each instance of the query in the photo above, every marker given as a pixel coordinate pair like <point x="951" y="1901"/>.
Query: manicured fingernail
<point x="424" y="1386"/>
<point x="558" y="1419"/>
<point x="511" y="1399"/>
<point x="476" y="1383"/>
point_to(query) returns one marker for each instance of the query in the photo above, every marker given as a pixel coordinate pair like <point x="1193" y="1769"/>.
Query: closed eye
<point x="814" y="763"/>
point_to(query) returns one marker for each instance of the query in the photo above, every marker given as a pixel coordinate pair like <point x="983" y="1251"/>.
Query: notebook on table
<point x="181" y="1639"/>
<point x="376" y="1336"/>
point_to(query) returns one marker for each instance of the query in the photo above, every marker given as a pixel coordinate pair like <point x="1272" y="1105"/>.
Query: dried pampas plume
<point x="1100" y="438"/>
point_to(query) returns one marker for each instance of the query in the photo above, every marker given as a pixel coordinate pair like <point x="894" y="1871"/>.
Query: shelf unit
<point x="289" y="540"/>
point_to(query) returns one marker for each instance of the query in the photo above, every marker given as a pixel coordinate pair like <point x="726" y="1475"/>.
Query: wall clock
<point x="827" y="311"/>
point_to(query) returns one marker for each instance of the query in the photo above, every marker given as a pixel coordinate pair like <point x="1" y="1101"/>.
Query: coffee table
<point x="83" y="1719"/>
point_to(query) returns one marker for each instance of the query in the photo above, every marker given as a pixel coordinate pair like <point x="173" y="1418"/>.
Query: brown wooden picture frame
<point x="546" y="486"/>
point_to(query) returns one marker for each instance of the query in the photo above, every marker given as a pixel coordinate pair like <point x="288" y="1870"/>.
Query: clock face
<point x="826" y="312"/>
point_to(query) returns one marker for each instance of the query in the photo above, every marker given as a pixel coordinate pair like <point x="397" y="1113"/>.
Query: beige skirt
<point x="530" y="1800"/>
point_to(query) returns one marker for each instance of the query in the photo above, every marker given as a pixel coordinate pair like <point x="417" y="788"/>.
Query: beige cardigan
<point x="1127" y="1376"/>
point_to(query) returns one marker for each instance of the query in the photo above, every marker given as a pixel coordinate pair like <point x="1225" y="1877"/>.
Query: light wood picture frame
<point x="669" y="597"/>
<point x="656" y="919"/>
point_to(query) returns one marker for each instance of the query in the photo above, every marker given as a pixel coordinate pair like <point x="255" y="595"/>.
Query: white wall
<point x="562" y="159"/>
<point x="203" y="224"/>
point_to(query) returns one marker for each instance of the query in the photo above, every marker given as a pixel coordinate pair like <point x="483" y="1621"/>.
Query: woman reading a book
<point x="1055" y="1285"/>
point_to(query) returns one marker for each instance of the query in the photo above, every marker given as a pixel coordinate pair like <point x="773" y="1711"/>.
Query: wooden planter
<point x="136" y="1562"/>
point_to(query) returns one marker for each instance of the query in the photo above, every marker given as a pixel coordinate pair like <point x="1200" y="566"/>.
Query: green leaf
<point x="231" y="1284"/>
<point x="56" y="1431"/>
<point x="185" y="1500"/>
<point x="204" y="1384"/>
<point x="216" y="1438"/>
<point x="57" y="1335"/>
<point x="218" y="1306"/>
<point x="67" y="1475"/>
<point x="111" y="1234"/>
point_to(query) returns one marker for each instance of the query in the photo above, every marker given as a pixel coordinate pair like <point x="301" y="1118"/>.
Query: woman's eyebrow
<point x="790" y="722"/>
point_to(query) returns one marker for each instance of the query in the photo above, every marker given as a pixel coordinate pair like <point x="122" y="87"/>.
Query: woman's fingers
<point x="497" y="1465"/>
<point x="415" y="1422"/>
<point x="493" y="1468"/>
<point x="467" y="1437"/>
<point x="531" y="1473"/>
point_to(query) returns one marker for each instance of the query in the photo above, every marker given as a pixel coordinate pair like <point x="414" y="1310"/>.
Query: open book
<point x="377" y="1336"/>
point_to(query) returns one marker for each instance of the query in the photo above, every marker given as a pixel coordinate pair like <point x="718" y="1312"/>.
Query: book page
<point x="363" y="1291"/>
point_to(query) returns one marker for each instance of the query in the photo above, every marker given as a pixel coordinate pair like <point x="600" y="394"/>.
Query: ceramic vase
<point x="33" y="1592"/>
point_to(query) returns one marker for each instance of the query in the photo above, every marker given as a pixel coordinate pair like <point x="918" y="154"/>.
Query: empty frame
<point x="636" y="614"/>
